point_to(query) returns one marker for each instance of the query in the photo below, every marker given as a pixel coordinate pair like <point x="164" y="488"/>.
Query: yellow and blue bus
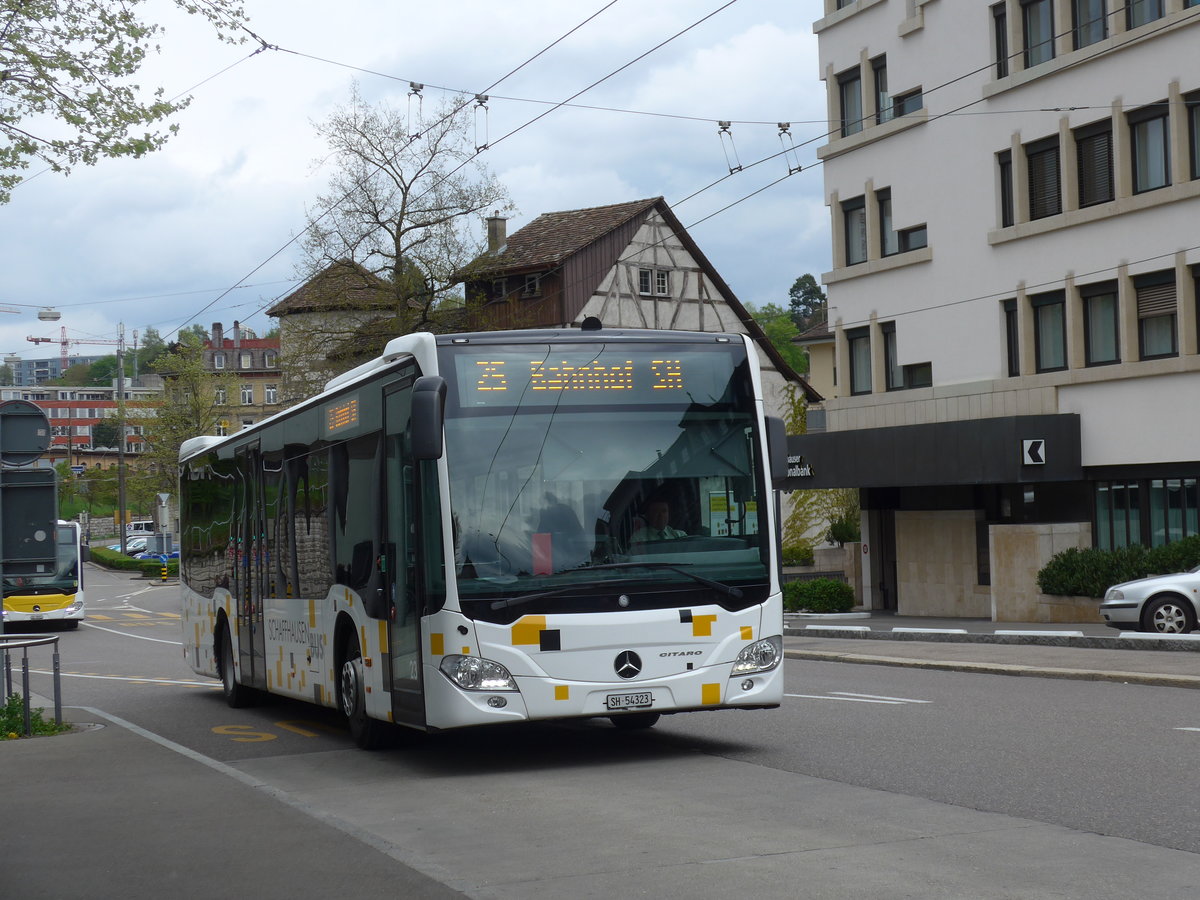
<point x="52" y="596"/>
<point x="497" y="527"/>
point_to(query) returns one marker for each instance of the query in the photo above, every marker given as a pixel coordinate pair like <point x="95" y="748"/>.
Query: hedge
<point x="1091" y="572"/>
<point x="114" y="559"/>
<point x="819" y="595"/>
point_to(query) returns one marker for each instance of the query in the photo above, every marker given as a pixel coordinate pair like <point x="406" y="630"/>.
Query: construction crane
<point x="65" y="343"/>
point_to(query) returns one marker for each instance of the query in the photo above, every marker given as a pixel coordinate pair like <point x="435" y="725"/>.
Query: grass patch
<point x="12" y="721"/>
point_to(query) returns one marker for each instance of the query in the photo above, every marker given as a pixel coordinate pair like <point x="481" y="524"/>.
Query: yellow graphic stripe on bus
<point x="383" y="640"/>
<point x="702" y="626"/>
<point x="437" y="644"/>
<point x="710" y="694"/>
<point x="279" y="668"/>
<point x="562" y="692"/>
<point x="312" y="613"/>
<point x="747" y="632"/>
<point x="528" y="630"/>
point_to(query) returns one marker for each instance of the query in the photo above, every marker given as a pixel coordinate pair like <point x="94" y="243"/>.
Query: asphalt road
<point x="868" y="778"/>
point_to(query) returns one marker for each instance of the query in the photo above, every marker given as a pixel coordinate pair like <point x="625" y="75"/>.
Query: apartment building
<point x="253" y="389"/>
<point x="1014" y="192"/>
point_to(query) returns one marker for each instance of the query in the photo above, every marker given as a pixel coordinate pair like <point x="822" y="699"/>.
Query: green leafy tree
<point x="6" y="374"/>
<point x="195" y="402"/>
<point x="105" y="434"/>
<point x="806" y="302"/>
<point x="102" y="372"/>
<point x="152" y="346"/>
<point x="65" y="92"/>
<point x="780" y="329"/>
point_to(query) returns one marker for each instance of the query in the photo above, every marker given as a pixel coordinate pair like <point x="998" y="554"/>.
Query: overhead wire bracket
<point x="790" y="156"/>
<point x="728" y="147"/>
<point x="481" y="113"/>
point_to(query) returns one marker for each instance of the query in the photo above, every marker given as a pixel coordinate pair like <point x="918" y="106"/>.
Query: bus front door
<point x="400" y="554"/>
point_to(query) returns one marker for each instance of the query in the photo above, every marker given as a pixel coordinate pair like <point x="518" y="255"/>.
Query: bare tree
<point x="399" y="224"/>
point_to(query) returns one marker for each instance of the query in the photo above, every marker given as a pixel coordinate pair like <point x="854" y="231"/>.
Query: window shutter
<point x="1045" y="189"/>
<point x="1156" y="300"/>
<point x="1095" y="169"/>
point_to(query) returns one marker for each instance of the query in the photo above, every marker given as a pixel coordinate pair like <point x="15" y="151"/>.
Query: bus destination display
<point x="622" y="376"/>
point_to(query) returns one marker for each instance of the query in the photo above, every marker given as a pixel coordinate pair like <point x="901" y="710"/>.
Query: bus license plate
<point x="630" y="701"/>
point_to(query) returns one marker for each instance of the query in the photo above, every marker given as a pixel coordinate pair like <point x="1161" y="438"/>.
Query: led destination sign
<point x="572" y="375"/>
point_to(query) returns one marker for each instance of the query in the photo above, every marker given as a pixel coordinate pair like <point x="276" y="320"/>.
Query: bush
<point x="798" y="554"/>
<point x="820" y="595"/>
<point x="1091" y="572"/>
<point x="12" y="720"/>
<point x="113" y="559"/>
<point x="844" y="531"/>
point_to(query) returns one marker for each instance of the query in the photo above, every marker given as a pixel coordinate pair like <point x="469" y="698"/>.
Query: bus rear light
<point x="474" y="673"/>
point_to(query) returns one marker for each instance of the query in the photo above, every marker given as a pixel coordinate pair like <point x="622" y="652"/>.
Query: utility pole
<point x="121" y="435"/>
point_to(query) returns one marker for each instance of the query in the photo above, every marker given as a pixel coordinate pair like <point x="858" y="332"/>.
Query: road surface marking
<point x="845" y="699"/>
<point x="141" y="679"/>
<point x="127" y="634"/>
<point x="877" y="697"/>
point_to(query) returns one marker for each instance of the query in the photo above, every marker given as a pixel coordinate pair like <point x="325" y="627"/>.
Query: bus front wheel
<point x="236" y="695"/>
<point x="368" y="733"/>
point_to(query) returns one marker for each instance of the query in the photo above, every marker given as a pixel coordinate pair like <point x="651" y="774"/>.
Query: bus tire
<point x="368" y="733"/>
<point x="634" y="721"/>
<point x="236" y="695"/>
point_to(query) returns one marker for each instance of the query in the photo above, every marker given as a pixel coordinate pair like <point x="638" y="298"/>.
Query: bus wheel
<point x="634" y="721"/>
<point x="368" y="733"/>
<point x="236" y="695"/>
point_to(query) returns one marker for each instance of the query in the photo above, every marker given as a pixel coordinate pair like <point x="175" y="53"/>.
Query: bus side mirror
<point x="777" y="448"/>
<point x="428" y="414"/>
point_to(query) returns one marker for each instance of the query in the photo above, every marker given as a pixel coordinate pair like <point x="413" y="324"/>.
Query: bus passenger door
<point x="399" y="559"/>
<point x="250" y="549"/>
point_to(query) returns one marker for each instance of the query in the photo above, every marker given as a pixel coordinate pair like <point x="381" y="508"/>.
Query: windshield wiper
<point x="558" y="592"/>
<point x="727" y="589"/>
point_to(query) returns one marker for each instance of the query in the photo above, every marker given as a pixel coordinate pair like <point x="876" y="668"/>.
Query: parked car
<point x="133" y="546"/>
<point x="150" y="554"/>
<point x="1163" y="604"/>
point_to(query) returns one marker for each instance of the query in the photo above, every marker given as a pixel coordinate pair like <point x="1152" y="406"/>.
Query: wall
<point x="935" y="568"/>
<point x="1018" y="552"/>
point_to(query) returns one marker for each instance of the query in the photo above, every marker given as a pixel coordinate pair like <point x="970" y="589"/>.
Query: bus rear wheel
<point x="368" y="733"/>
<point x="236" y="695"/>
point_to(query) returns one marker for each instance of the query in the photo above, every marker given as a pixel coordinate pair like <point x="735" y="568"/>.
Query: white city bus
<point x="457" y="533"/>
<point x="54" y="594"/>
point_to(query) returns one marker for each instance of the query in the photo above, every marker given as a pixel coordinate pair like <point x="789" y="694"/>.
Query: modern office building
<point x="1014" y="191"/>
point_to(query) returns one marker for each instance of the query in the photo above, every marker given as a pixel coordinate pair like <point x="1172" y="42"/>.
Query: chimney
<point x="496" y="232"/>
<point x="218" y="336"/>
<point x="237" y="334"/>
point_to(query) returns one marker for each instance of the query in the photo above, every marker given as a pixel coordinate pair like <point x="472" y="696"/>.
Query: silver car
<point x="1163" y="604"/>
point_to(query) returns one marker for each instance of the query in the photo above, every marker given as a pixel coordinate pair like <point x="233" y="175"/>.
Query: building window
<point x="1000" y="38"/>
<point x="1004" y="165"/>
<point x="271" y="393"/>
<point x="1151" y="156"/>
<point x="1156" y="315"/>
<point x="532" y="286"/>
<point x="1037" y="22"/>
<point x="218" y="360"/>
<point x="222" y="428"/>
<point x="1012" y="345"/>
<point x="1045" y="183"/>
<point x="269" y="359"/>
<point x="888" y="239"/>
<point x="1172" y="510"/>
<point x="913" y="238"/>
<point x="859" y="341"/>
<point x="1142" y="11"/>
<point x="1093" y="151"/>
<point x="883" y="101"/>
<point x="1118" y="514"/>
<point x="654" y="281"/>
<point x="1089" y="22"/>
<point x="902" y="378"/>
<point x="246" y="360"/>
<point x="1050" y="331"/>
<point x="220" y="397"/>
<point x="499" y="288"/>
<point x="850" y="95"/>
<point x="247" y="394"/>
<point x="1193" y="128"/>
<point x="910" y="101"/>
<point x="854" y="216"/>
<point x="1100" y="324"/>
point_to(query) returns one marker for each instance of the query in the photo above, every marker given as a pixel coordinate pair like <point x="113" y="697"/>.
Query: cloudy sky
<point x="203" y="230"/>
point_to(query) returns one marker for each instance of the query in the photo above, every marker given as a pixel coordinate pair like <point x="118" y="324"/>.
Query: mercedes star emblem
<point x="628" y="664"/>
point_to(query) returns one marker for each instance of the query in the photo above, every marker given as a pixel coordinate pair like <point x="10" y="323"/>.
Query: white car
<point x="132" y="545"/>
<point x="1163" y="604"/>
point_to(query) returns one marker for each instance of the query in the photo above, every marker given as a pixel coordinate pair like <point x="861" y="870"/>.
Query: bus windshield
<point x="579" y="468"/>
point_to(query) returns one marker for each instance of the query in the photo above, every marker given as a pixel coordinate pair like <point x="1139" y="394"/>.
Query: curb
<point x="1122" y="641"/>
<point x="1182" y="681"/>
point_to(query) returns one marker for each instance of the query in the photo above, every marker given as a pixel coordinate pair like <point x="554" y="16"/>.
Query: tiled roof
<point x="553" y="236"/>
<point x="342" y="285"/>
<point x="815" y="335"/>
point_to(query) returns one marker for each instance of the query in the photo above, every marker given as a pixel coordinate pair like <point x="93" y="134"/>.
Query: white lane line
<point x="210" y="684"/>
<point x="1187" y="729"/>
<point x="140" y="637"/>
<point x="877" y="697"/>
<point x="845" y="699"/>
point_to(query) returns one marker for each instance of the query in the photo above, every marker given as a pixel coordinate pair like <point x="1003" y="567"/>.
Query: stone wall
<point x="936" y="573"/>
<point x="1018" y="552"/>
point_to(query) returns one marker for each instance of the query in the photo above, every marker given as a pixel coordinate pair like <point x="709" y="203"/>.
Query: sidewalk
<point x="1090" y="651"/>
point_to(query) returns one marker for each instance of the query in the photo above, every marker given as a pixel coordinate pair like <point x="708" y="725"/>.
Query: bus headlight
<point x="474" y="673"/>
<point x="761" y="656"/>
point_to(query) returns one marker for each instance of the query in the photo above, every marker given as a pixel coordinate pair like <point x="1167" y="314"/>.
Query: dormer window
<point x="246" y="360"/>
<point x="218" y="360"/>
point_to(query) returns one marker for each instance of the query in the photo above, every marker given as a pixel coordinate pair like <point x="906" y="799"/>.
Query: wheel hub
<point x="350" y="683"/>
